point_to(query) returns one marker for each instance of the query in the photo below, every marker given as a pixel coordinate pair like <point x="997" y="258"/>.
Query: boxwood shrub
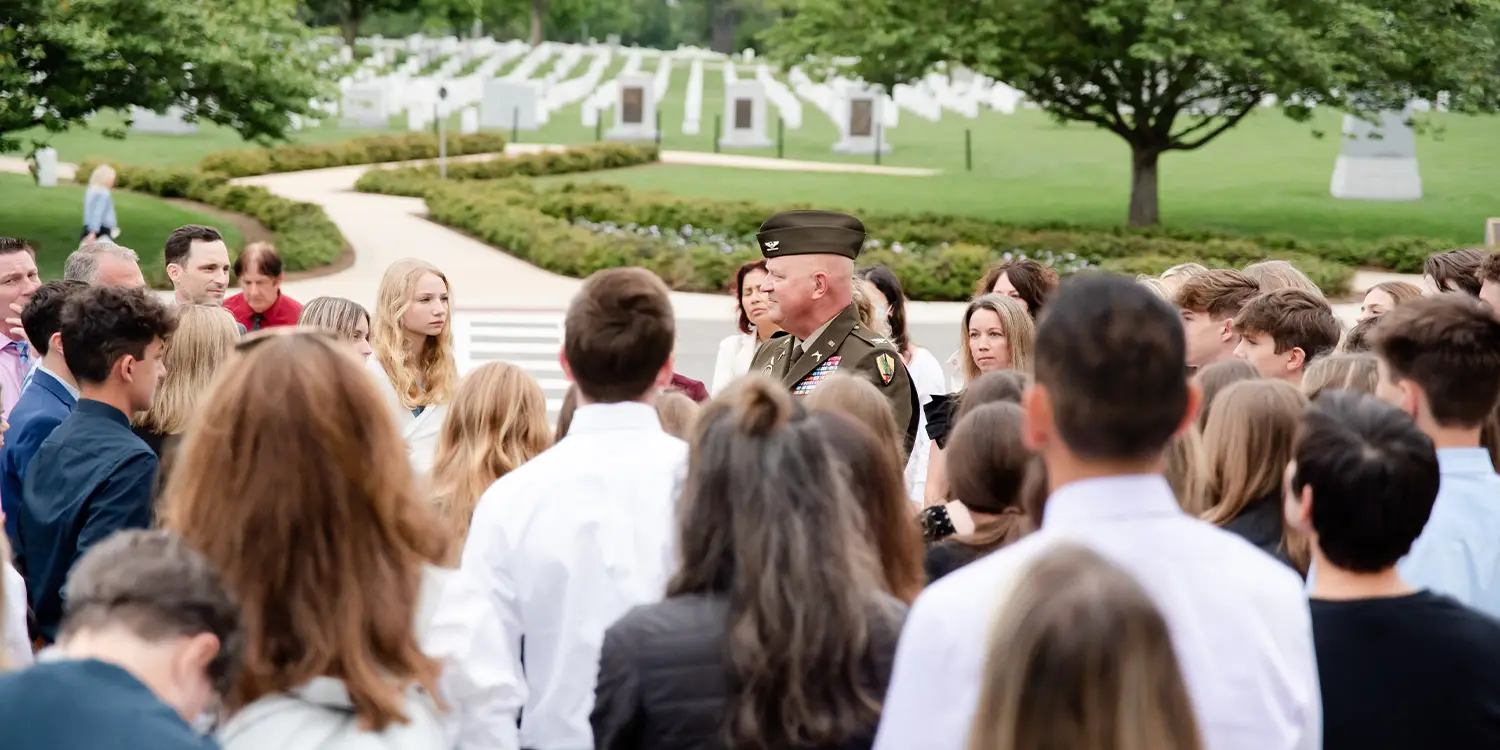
<point x="375" y="149"/>
<point x="936" y="257"/>
<point x="305" y="236"/>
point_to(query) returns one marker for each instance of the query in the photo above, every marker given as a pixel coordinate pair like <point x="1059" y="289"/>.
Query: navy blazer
<point x="91" y="477"/>
<point x="44" y="404"/>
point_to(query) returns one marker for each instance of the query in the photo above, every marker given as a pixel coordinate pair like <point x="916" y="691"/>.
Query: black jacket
<point x="664" y="676"/>
<point x="1260" y="524"/>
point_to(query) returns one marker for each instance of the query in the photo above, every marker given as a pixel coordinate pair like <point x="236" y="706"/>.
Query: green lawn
<point x="1268" y="176"/>
<point x="52" y="218"/>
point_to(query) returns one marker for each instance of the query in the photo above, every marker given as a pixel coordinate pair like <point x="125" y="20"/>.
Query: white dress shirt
<point x="480" y="682"/>
<point x="928" y="378"/>
<point x="735" y="354"/>
<point x="1240" y="623"/>
<point x="419" y="431"/>
<point x="569" y="542"/>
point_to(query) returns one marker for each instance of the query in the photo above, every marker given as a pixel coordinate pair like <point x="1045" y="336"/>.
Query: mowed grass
<point x="52" y="220"/>
<point x="1267" y="176"/>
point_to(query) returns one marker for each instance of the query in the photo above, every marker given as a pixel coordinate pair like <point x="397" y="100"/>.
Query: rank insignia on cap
<point x="773" y="246"/>
<point x="886" y="364"/>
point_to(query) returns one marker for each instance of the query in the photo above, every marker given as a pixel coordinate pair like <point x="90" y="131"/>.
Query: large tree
<point x="1165" y="75"/>
<point x="241" y="63"/>
<point x="349" y="14"/>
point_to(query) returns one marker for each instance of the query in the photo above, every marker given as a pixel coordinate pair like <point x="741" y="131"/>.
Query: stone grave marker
<point x="365" y="106"/>
<point x="508" y="104"/>
<point x="468" y="121"/>
<point x="745" y="115"/>
<point x="635" y="109"/>
<point x="168" y="123"/>
<point x="1378" y="161"/>
<point x="860" y="126"/>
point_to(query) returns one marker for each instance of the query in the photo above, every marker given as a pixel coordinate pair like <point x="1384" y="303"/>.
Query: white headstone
<point x="169" y="123"/>
<point x="414" y="43"/>
<point x="365" y="106"/>
<point x="861" y="122"/>
<point x="46" y="167"/>
<point x="744" y="115"/>
<point x="468" y="121"/>
<point x="635" y="109"/>
<point x="1378" y="162"/>
<point x="510" y="104"/>
<point x="418" y="118"/>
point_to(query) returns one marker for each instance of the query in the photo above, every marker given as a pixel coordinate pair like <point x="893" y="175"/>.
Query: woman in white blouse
<point x="736" y="352"/>
<point x="926" y="372"/>
<point x="413" y="359"/>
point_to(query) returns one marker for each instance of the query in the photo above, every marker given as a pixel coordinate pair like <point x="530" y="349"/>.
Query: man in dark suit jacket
<point x="92" y="476"/>
<point x="46" y="401"/>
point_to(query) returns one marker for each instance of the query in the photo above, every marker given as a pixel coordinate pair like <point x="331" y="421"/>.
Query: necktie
<point x="23" y="358"/>
<point x="256" y="321"/>
<point x="796" y="354"/>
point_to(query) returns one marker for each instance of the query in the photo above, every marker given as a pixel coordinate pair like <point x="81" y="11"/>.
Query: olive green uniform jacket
<point x="847" y="347"/>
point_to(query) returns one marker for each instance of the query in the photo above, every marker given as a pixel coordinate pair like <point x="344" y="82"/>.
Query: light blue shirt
<point x="1240" y="623"/>
<point x="99" y="210"/>
<point x="40" y="368"/>
<point x="1458" y="553"/>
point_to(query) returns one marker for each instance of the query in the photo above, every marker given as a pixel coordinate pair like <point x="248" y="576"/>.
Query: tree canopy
<point x="1165" y="75"/>
<point x="246" y="64"/>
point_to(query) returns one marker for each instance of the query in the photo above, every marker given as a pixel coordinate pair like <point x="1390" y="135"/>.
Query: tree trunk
<point x="1144" y="209"/>
<point x="724" y="23"/>
<point x="350" y="20"/>
<point x="538" y="9"/>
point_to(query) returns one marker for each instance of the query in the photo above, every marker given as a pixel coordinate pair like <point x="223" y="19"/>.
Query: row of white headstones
<point x="1377" y="161"/>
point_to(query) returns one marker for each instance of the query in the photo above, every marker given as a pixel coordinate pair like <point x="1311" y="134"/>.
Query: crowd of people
<point x="1180" y="512"/>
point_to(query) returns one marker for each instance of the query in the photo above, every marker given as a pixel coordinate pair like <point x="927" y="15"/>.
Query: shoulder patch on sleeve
<point x="886" y="365"/>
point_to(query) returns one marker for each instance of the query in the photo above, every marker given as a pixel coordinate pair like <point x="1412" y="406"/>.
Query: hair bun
<point x="761" y="406"/>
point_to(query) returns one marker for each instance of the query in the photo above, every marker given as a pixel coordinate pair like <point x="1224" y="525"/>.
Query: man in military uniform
<point x="810" y="284"/>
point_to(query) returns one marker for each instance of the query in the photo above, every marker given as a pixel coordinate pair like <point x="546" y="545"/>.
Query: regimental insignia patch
<point x="886" y="364"/>
<point x="806" y="386"/>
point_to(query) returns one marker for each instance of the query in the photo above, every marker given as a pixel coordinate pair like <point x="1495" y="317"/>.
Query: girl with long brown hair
<point x="297" y="489"/>
<point x="497" y="421"/>
<point x="414" y="352"/>
<point x="987" y="465"/>
<point x="1081" y="658"/>
<point x="1249" y="441"/>
<point x="776" y="632"/>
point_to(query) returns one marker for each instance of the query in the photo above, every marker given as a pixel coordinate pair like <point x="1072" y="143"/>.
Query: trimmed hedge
<point x="305" y="236"/>
<point x="375" y="149"/>
<point x="414" y="181"/>
<point x="939" y="259"/>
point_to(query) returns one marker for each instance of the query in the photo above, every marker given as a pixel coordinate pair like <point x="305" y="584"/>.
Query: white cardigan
<point x="735" y="355"/>
<point x="419" y="432"/>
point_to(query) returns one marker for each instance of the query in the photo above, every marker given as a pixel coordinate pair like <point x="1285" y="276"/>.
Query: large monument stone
<point x="168" y="123"/>
<point x="508" y="104"/>
<point x="1378" y="161"/>
<point x="860" y="126"/>
<point x="365" y="106"/>
<point x="635" y="109"/>
<point x="744" y="115"/>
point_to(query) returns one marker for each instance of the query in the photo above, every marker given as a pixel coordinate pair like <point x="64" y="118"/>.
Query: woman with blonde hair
<point x="99" y="221"/>
<point x="204" y="339"/>
<point x="295" y="487"/>
<point x="1249" y="441"/>
<point x="1173" y="278"/>
<point x="1341" y="372"/>
<point x="678" y="413"/>
<point x="414" y="359"/>
<point x="1187" y="470"/>
<point x="344" y="318"/>
<point x="1000" y="336"/>
<point x="1280" y="274"/>
<point x="1081" y="658"/>
<point x="497" y="421"/>
<point x="1212" y="381"/>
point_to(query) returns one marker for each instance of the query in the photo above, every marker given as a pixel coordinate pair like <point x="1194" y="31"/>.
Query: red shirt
<point x="283" y="312"/>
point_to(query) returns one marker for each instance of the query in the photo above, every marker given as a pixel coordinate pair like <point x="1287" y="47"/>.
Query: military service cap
<point x="811" y="233"/>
